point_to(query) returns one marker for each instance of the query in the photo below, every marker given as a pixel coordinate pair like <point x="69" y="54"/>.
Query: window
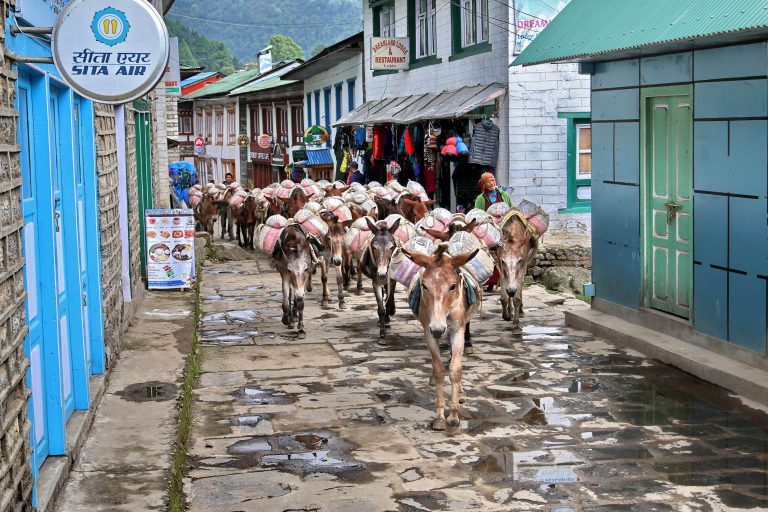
<point x="231" y="127"/>
<point x="384" y="20"/>
<point x="470" y="27"/>
<point x="208" y="126"/>
<point x="425" y="29"/>
<point x="186" y="123"/>
<point x="579" y="197"/>
<point x="337" y="91"/>
<point x="309" y="109"/>
<point x="228" y="167"/>
<point x="297" y="125"/>
<point x="199" y="123"/>
<point x="219" y="127"/>
<point x="282" y="125"/>
<point x="317" y="108"/>
<point x="350" y="95"/>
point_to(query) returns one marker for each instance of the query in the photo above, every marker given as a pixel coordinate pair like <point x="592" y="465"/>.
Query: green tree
<point x="317" y="49"/>
<point x="285" y="48"/>
<point x="185" y="55"/>
<point x="212" y="55"/>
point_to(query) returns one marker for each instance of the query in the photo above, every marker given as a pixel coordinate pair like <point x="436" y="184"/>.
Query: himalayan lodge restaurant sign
<point x="112" y="51"/>
<point x="389" y="53"/>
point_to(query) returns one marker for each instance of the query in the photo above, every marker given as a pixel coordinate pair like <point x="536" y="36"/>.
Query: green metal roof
<point x="595" y="29"/>
<point x="226" y="84"/>
<point x="269" y="81"/>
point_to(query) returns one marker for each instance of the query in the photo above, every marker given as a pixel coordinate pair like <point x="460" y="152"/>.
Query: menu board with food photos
<point x="170" y="248"/>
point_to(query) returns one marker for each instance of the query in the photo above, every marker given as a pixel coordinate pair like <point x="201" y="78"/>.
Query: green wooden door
<point x="668" y="217"/>
<point x="143" y="127"/>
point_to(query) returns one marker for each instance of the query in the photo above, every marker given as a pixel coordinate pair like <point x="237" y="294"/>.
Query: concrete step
<point x="735" y="376"/>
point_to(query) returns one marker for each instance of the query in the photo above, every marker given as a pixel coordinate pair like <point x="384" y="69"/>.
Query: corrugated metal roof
<point x="590" y="29"/>
<point x="198" y="78"/>
<point x="267" y="82"/>
<point x="226" y="84"/>
<point x="319" y="157"/>
<point x="423" y="107"/>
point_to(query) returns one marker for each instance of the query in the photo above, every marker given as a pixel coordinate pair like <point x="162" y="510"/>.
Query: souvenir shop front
<point x="445" y="141"/>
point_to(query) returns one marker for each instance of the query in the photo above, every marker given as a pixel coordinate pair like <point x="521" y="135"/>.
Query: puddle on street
<point x="247" y="421"/>
<point x="255" y="396"/>
<point x="152" y="391"/>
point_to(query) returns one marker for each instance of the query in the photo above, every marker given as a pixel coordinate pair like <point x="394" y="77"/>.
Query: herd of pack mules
<point x="443" y="295"/>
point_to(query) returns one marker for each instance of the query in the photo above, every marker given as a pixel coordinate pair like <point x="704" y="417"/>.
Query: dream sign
<point x="110" y="51"/>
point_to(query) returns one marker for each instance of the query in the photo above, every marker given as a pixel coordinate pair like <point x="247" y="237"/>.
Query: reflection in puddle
<point x="537" y="466"/>
<point x="255" y="396"/>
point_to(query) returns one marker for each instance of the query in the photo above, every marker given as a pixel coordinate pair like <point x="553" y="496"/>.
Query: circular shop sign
<point x="264" y="141"/>
<point x="199" y="141"/>
<point x="242" y="140"/>
<point x="111" y="52"/>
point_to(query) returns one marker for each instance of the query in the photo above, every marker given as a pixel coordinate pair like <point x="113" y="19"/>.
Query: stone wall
<point x="160" y="181"/>
<point x="111" y="256"/>
<point x="560" y="256"/>
<point x="15" y="453"/>
<point x="172" y="125"/>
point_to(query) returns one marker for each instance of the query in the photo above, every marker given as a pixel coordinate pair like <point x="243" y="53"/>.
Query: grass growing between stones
<point x="177" y="500"/>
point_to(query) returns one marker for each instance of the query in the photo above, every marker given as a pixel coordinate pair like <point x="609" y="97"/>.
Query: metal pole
<point x="31" y="60"/>
<point x="15" y="29"/>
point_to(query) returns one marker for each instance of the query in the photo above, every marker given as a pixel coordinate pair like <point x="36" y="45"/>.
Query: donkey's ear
<point x="394" y="226"/>
<point x="469" y="227"/>
<point x="342" y="189"/>
<point x="371" y="225"/>
<point x="419" y="258"/>
<point x="347" y="223"/>
<point x="463" y="259"/>
<point x="439" y="235"/>
<point x="430" y="202"/>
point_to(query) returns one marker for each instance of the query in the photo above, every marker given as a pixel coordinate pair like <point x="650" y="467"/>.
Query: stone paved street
<point x="555" y="420"/>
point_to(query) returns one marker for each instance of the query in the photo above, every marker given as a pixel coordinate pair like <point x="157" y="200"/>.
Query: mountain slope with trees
<point x="197" y="50"/>
<point x="250" y="25"/>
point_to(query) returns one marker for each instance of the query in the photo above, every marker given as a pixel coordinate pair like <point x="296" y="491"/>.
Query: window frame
<point x="573" y="203"/>
<point x="186" y="125"/>
<point x="231" y="123"/>
<point x="351" y="84"/>
<point x="309" y="109"/>
<point x="377" y="9"/>
<point x="338" y="91"/>
<point x="219" y="126"/>
<point x="459" y="49"/>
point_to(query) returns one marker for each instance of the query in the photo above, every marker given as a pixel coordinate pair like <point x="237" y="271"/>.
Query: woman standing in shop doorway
<point x="489" y="195"/>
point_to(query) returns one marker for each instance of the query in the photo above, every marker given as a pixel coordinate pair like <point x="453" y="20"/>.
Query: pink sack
<point x="488" y="233"/>
<point x="194" y="199"/>
<point x="311" y="223"/>
<point x="405" y="231"/>
<point x="498" y="211"/>
<point x="285" y="189"/>
<point x="267" y="238"/>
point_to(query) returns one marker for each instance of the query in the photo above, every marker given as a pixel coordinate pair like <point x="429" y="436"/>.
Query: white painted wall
<point x="342" y="73"/>
<point x="226" y="150"/>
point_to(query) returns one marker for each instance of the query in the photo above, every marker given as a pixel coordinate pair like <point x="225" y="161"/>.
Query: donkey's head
<point x="386" y="207"/>
<point x="441" y="287"/>
<point x="332" y="191"/>
<point x="414" y="209"/>
<point x="336" y="231"/>
<point x="517" y="248"/>
<point x="295" y="251"/>
<point x="295" y="203"/>
<point x="453" y="228"/>
<point x="382" y="244"/>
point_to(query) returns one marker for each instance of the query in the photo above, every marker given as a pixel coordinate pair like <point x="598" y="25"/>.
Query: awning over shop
<point x="424" y="107"/>
<point x="318" y="157"/>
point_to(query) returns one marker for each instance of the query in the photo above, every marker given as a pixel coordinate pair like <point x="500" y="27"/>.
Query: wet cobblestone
<point x="555" y="419"/>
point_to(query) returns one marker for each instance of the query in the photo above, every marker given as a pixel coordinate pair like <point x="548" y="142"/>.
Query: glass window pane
<point x="585" y="137"/>
<point x="585" y="165"/>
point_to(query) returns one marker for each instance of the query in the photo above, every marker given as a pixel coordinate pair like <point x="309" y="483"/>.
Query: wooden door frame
<point x="647" y="93"/>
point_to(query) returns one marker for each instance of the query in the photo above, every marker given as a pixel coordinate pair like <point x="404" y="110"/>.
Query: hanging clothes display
<point x="484" y="149"/>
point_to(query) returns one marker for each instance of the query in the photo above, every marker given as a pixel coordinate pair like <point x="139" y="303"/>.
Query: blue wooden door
<point x="61" y="224"/>
<point x="80" y="198"/>
<point x="33" y="344"/>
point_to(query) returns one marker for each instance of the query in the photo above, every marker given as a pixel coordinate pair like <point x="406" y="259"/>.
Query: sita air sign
<point x="113" y="51"/>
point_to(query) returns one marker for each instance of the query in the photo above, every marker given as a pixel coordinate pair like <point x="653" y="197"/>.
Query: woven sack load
<point x="417" y="189"/>
<point x="405" y="231"/>
<point x="488" y="233"/>
<point x="234" y="185"/>
<point x="374" y="184"/>
<point x="285" y="189"/>
<point x="535" y="214"/>
<point x="268" y="233"/>
<point x="459" y="218"/>
<point x="356" y="187"/>
<point x="498" y="211"/>
<point x="195" y="196"/>
<point x="357" y="234"/>
<point x="396" y="186"/>
<point x="438" y="220"/>
<point x="238" y="198"/>
<point x="481" y="266"/>
<point x="310" y="187"/>
<point x="269" y="190"/>
<point x="311" y="223"/>
<point x="401" y="268"/>
<point x="220" y="191"/>
<point x="196" y="186"/>
<point x="323" y="183"/>
<point x="314" y="207"/>
<point x="336" y="206"/>
<point x="477" y="214"/>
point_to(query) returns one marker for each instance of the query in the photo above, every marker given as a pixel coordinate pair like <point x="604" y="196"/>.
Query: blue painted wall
<point x="730" y="185"/>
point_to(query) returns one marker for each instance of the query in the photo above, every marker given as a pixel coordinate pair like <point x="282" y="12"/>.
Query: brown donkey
<point x="225" y="214"/>
<point x="336" y="254"/>
<point x="413" y="208"/>
<point x="444" y="306"/>
<point x="517" y="249"/>
<point x="374" y="264"/>
<point x="205" y="213"/>
<point x="294" y="260"/>
<point x="245" y="217"/>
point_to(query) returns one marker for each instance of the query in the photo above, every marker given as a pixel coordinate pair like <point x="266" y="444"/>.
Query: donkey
<point x="294" y="203"/>
<point x="374" y="264"/>
<point x="335" y="253"/>
<point x="245" y="216"/>
<point x="517" y="249"/>
<point x="332" y="191"/>
<point x="444" y="305"/>
<point x="413" y="208"/>
<point x="205" y="213"/>
<point x="225" y="214"/>
<point x="386" y="207"/>
<point x="294" y="260"/>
